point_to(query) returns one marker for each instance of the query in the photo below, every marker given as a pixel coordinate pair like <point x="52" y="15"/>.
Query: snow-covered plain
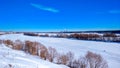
<point x="109" y="51"/>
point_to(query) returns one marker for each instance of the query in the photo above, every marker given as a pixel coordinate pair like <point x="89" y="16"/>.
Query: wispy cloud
<point x="114" y="11"/>
<point x="109" y="12"/>
<point x="44" y="8"/>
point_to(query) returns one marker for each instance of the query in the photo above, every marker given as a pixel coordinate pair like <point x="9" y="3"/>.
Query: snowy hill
<point x="109" y="51"/>
<point x="19" y="59"/>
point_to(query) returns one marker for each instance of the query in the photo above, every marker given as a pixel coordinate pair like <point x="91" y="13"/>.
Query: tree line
<point x="106" y="37"/>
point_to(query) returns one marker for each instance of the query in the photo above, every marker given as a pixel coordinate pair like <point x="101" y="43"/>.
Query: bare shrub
<point x="35" y="48"/>
<point x="96" y="61"/>
<point x="70" y="58"/>
<point x="52" y="53"/>
<point x="79" y="63"/>
<point x="43" y="51"/>
<point x="75" y="64"/>
<point x="83" y="62"/>
<point x="9" y="43"/>
<point x="18" y="45"/>
<point x="28" y="46"/>
<point x="31" y="47"/>
<point x="91" y="60"/>
<point x="1" y="41"/>
<point x="58" y="60"/>
<point x="62" y="59"/>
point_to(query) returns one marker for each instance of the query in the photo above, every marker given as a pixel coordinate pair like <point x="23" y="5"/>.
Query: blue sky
<point x="58" y="15"/>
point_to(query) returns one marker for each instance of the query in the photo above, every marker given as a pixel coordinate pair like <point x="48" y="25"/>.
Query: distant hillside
<point x="98" y="31"/>
<point x="105" y="31"/>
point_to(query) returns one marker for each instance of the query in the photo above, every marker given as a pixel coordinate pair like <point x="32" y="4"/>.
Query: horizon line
<point x="61" y="30"/>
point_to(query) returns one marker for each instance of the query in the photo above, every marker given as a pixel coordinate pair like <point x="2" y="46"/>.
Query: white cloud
<point x="44" y="8"/>
<point x="109" y="12"/>
<point x="114" y="11"/>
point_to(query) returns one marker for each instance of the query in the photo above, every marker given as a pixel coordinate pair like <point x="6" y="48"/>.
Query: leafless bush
<point x="52" y="53"/>
<point x="18" y="45"/>
<point x="75" y="64"/>
<point x="95" y="60"/>
<point x="1" y="41"/>
<point x="62" y="59"/>
<point x="79" y="63"/>
<point x="70" y="58"/>
<point x="35" y="48"/>
<point x="8" y="42"/>
<point x="28" y="45"/>
<point x="91" y="60"/>
<point x="43" y="51"/>
<point x="31" y="47"/>
<point x="58" y="60"/>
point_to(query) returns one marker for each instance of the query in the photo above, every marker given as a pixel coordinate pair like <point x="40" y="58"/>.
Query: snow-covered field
<point x="109" y="51"/>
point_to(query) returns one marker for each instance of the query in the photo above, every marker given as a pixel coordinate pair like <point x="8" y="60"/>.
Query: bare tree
<point x="62" y="59"/>
<point x="35" y="48"/>
<point x="18" y="45"/>
<point x="1" y="41"/>
<point x="58" y="60"/>
<point x="52" y="53"/>
<point x="31" y="47"/>
<point x="70" y="58"/>
<point x="43" y="52"/>
<point x="96" y="61"/>
<point x="80" y="63"/>
<point x="8" y="42"/>
<point x="28" y="46"/>
<point x="75" y="64"/>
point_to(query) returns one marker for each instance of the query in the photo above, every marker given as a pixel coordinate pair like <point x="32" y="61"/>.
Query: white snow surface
<point x="109" y="51"/>
<point x="19" y="59"/>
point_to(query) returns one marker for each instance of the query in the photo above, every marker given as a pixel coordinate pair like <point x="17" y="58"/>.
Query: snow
<point x="55" y="34"/>
<point x="109" y="51"/>
<point x="19" y="59"/>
